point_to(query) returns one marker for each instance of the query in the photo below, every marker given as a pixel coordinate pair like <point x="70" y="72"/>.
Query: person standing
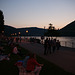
<point x="20" y="39"/>
<point x="49" y="45"/>
<point x="58" y="45"/>
<point x="54" y="45"/>
<point x="45" y="46"/>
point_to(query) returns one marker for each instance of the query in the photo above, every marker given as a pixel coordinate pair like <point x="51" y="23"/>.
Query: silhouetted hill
<point x="32" y="31"/>
<point x="68" y="30"/>
<point x="8" y="30"/>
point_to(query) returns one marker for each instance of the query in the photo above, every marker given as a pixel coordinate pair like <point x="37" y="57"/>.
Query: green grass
<point x="8" y="67"/>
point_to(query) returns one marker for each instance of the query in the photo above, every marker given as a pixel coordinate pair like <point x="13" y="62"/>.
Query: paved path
<point x="65" y="58"/>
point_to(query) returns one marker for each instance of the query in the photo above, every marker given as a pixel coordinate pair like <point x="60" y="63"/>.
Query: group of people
<point x="50" y="45"/>
<point x="3" y="55"/>
<point x="30" y="64"/>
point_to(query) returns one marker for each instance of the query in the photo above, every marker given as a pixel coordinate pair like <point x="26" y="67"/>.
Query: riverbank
<point x="64" y="58"/>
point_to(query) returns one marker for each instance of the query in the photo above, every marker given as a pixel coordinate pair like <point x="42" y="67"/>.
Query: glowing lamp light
<point x="26" y="31"/>
<point x="15" y="33"/>
<point x="19" y="33"/>
<point x="2" y="31"/>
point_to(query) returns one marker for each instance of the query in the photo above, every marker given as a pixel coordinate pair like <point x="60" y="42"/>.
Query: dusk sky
<point x="38" y="13"/>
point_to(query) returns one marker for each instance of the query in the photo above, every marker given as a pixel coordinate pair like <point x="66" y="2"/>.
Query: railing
<point x="67" y="44"/>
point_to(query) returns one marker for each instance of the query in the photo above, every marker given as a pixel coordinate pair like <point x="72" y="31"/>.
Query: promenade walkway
<point x="64" y="58"/>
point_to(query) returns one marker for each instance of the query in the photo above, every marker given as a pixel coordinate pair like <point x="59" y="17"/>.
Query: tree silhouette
<point x="50" y="27"/>
<point x="52" y="31"/>
<point x="1" y="22"/>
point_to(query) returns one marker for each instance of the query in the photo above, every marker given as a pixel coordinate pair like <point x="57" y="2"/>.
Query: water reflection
<point x="65" y="41"/>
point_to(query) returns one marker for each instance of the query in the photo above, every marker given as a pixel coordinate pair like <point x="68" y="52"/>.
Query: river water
<point x="67" y="41"/>
<point x="64" y="41"/>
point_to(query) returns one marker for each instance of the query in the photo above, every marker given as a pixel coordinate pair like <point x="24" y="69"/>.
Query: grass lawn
<point x="8" y="67"/>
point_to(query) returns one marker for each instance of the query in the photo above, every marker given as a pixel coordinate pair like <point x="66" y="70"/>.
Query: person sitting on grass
<point x="4" y="57"/>
<point x="25" y="60"/>
<point x="15" y="50"/>
<point x="33" y="66"/>
<point x="1" y="50"/>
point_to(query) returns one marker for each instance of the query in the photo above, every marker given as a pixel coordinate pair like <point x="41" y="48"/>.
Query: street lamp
<point x="26" y="31"/>
<point x="15" y="34"/>
<point x="3" y="32"/>
<point x="20" y="37"/>
<point x="19" y="33"/>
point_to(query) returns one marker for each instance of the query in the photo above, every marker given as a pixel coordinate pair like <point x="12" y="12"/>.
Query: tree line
<point x="1" y="22"/>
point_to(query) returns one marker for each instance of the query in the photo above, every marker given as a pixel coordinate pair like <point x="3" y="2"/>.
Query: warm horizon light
<point x="38" y="13"/>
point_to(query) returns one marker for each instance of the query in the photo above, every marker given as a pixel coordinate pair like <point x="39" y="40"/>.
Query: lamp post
<point x="27" y="34"/>
<point x="2" y="33"/>
<point x="20" y="36"/>
<point x="26" y="31"/>
<point x="19" y="33"/>
<point x="15" y="34"/>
